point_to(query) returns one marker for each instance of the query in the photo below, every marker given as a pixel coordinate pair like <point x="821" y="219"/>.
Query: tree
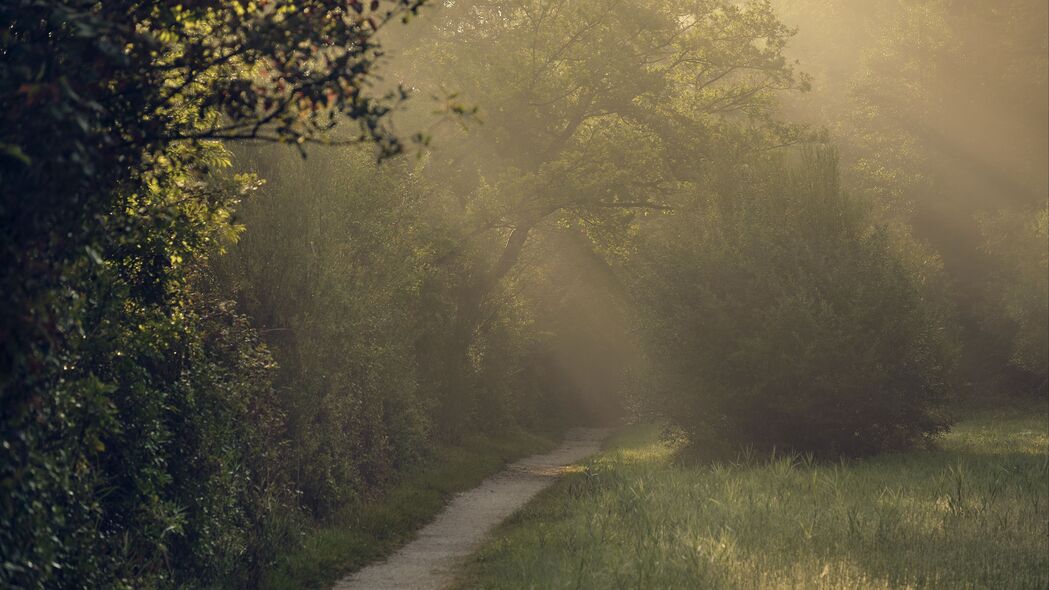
<point x="135" y="426"/>
<point x="94" y="94"/>
<point x="1017" y="240"/>
<point x="594" y="113"/>
<point x="940" y="110"/>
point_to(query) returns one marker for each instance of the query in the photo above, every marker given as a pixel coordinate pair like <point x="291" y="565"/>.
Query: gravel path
<point x="426" y="563"/>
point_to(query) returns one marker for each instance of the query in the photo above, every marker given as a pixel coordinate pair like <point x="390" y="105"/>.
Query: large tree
<point x="94" y="95"/>
<point x="134" y="418"/>
<point x="592" y="113"/>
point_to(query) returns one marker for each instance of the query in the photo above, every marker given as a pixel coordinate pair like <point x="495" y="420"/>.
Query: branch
<point x="636" y="205"/>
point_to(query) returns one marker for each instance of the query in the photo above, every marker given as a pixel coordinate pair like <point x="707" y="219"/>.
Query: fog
<point x="622" y="207"/>
<point x="937" y="110"/>
<point x="283" y="277"/>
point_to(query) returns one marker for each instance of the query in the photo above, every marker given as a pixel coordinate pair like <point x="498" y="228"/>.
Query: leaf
<point x="14" y="151"/>
<point x="93" y="254"/>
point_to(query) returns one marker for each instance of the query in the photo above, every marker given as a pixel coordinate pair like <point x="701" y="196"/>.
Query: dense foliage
<point x="137" y="429"/>
<point x="1017" y="242"/>
<point x="592" y="115"/>
<point x="784" y="319"/>
<point x="340" y="274"/>
<point x="939" y="110"/>
<point x="208" y="347"/>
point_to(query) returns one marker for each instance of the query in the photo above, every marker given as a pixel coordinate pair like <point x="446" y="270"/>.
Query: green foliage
<point x="973" y="513"/>
<point x="331" y="273"/>
<point x="1018" y="242"/>
<point x="593" y="113"/>
<point x="340" y="272"/>
<point x="156" y="433"/>
<point x="148" y="438"/>
<point x="590" y="116"/>
<point x="783" y="319"/>
<point x="138" y="429"/>
<point x="939" y="109"/>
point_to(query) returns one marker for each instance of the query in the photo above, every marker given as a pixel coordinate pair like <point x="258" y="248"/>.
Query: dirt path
<point x="426" y="562"/>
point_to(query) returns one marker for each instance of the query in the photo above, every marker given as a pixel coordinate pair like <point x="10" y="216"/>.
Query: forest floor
<point x="972" y="512"/>
<point x="426" y="562"/>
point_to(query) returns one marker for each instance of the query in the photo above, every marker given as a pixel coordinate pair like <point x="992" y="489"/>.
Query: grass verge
<point x="367" y="531"/>
<point x="973" y="513"/>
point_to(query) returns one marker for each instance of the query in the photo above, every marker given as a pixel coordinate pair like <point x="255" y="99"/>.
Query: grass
<point x="973" y="513"/>
<point x="370" y="530"/>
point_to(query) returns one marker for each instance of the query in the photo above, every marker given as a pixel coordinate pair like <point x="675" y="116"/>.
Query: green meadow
<point x="971" y="513"/>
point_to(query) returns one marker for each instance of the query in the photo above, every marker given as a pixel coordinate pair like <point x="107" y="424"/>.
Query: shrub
<point x="151" y="438"/>
<point x="330" y="271"/>
<point x="1020" y="289"/>
<point x="782" y="318"/>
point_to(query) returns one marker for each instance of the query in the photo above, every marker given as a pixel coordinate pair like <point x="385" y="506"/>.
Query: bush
<point x="334" y="289"/>
<point x="782" y="319"/>
<point x="150" y="438"/>
<point x="136" y="443"/>
<point x="344" y="270"/>
<point x="1019" y="292"/>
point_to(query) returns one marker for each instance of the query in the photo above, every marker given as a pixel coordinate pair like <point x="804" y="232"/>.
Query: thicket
<point x="343" y="272"/>
<point x="139" y="442"/>
<point x="1018" y="242"/>
<point x="781" y="317"/>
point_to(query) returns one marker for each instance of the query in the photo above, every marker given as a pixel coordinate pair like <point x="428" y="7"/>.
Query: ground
<point x="426" y="562"/>
<point x="375" y="527"/>
<point x="973" y="512"/>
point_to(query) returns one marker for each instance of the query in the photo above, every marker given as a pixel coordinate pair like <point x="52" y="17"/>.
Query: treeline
<point x="210" y="344"/>
<point x="939" y="112"/>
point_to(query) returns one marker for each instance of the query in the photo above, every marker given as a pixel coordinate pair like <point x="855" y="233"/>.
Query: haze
<point x="757" y="291"/>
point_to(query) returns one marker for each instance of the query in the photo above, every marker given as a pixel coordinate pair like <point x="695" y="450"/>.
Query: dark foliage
<point x="784" y="320"/>
<point x="136" y="424"/>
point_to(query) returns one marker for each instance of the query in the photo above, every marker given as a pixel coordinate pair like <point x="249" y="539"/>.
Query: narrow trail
<point x="426" y="563"/>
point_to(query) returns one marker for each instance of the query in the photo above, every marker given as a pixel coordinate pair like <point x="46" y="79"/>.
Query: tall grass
<point x="972" y="513"/>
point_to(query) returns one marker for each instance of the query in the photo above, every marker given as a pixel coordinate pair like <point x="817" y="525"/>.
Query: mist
<point x="305" y="293"/>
